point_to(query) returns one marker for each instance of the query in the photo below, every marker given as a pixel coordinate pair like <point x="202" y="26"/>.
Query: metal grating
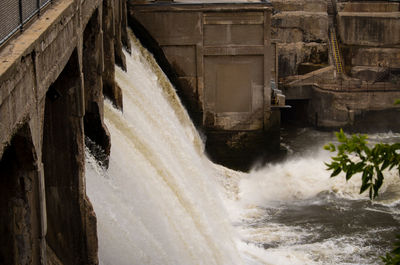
<point x="15" y="13"/>
<point x="44" y="2"/>
<point x="9" y="18"/>
<point x="29" y="8"/>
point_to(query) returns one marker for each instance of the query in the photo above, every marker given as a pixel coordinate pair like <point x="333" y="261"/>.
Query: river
<point x="300" y="215"/>
<point x="161" y="201"/>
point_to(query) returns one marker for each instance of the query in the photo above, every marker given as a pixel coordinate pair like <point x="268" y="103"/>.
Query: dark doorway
<point x="297" y="114"/>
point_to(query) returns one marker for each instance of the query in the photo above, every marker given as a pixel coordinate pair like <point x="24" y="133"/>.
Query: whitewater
<point x="162" y="201"/>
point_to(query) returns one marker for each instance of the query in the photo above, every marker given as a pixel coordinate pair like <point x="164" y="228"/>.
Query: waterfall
<point x="161" y="201"/>
<point x="158" y="203"/>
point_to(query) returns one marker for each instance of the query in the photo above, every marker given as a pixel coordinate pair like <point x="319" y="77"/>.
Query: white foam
<point x="157" y="203"/>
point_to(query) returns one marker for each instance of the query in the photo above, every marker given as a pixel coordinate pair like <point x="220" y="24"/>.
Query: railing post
<point x="38" y="7"/>
<point x="20" y="15"/>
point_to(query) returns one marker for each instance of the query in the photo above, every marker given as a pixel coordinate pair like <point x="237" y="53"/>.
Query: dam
<point x="161" y="200"/>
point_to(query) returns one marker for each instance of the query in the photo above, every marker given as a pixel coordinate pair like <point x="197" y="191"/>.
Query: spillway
<point x="161" y="201"/>
<point x="158" y="202"/>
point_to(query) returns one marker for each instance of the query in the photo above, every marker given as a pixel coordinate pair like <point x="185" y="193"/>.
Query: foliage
<point x="355" y="156"/>
<point x="395" y="259"/>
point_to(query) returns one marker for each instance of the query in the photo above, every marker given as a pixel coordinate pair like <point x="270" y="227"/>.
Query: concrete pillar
<point x="120" y="59"/>
<point x="95" y="128"/>
<point x="124" y="27"/>
<point x="63" y="164"/>
<point x="110" y="88"/>
<point x="19" y="202"/>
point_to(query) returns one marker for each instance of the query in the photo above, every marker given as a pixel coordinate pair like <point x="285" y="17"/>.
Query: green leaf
<point x="385" y="164"/>
<point x="364" y="187"/>
<point x="349" y="174"/>
<point x="336" y="172"/>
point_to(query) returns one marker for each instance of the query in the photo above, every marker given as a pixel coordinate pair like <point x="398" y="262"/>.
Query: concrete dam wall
<point x="220" y="58"/>
<point x="338" y="62"/>
<point x="52" y="78"/>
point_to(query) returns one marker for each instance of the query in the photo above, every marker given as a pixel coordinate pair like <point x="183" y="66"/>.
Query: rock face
<point x="52" y="78"/>
<point x="300" y="29"/>
<point x="368" y="47"/>
<point x="293" y="57"/>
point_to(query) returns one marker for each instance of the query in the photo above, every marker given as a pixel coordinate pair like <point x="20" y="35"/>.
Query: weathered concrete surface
<point x="369" y="41"/>
<point x="291" y="56"/>
<point x="369" y="29"/>
<point x="20" y="226"/>
<point x="51" y="80"/>
<point x="387" y="57"/>
<point x="205" y="41"/>
<point x="366" y="6"/>
<point x="112" y="54"/>
<point x="300" y="29"/>
<point x="351" y="109"/>
<point x="300" y="26"/>
<point x="348" y="102"/>
<point x="92" y="67"/>
<point x="296" y="5"/>
<point x="221" y="61"/>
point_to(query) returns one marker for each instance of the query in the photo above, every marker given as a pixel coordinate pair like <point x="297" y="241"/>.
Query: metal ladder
<point x="335" y="51"/>
<point x="336" y="56"/>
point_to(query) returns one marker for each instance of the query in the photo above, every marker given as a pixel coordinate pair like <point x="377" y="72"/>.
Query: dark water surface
<point x="328" y="227"/>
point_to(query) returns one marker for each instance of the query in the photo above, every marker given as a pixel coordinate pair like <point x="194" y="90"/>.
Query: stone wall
<point x="300" y="29"/>
<point x="51" y="81"/>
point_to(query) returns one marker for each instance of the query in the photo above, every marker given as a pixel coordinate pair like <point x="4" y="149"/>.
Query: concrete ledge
<point x="370" y="14"/>
<point x="387" y="57"/>
<point x="346" y="109"/>
<point x="302" y="5"/>
<point x="194" y="7"/>
<point x="25" y="43"/>
<point x="368" y="7"/>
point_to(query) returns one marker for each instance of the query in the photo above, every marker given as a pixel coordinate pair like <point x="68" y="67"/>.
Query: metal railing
<point x="14" y="14"/>
<point x="389" y="81"/>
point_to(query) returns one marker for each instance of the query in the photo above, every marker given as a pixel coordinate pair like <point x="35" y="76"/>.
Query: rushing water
<point x="163" y="202"/>
<point x="302" y="216"/>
